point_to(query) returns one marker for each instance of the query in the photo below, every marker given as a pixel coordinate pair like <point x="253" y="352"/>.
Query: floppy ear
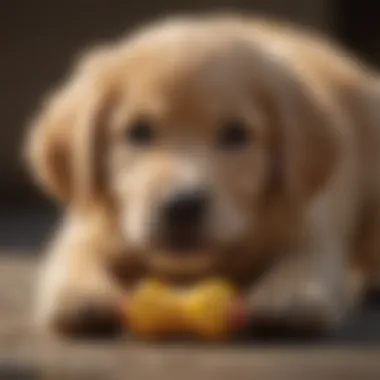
<point x="307" y="134"/>
<point x="62" y="139"/>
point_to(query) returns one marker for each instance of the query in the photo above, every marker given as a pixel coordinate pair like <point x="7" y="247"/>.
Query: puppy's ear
<point x="60" y="143"/>
<point x="307" y="136"/>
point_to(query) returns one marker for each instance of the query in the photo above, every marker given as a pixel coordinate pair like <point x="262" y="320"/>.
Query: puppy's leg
<point x="312" y="288"/>
<point x="76" y="296"/>
<point x="300" y="295"/>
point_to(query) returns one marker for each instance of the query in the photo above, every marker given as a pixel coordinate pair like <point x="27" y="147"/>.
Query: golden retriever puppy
<point x="211" y="145"/>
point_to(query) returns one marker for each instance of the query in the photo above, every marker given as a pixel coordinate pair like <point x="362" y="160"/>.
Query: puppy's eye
<point x="140" y="133"/>
<point x="233" y="135"/>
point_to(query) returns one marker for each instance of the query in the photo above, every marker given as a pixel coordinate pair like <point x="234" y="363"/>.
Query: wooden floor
<point x="353" y="354"/>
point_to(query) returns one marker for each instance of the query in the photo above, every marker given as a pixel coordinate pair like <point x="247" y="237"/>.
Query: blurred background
<point x="39" y="39"/>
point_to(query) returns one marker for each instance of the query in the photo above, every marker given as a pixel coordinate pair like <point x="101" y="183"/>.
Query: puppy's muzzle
<point x="182" y="220"/>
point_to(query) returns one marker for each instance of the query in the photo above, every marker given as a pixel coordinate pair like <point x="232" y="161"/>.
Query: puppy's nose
<point x="185" y="209"/>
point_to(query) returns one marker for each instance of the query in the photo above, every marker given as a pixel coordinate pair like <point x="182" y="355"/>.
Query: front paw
<point x="293" y="306"/>
<point x="84" y="316"/>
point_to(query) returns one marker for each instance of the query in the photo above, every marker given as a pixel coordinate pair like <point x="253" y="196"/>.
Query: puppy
<point x="211" y="145"/>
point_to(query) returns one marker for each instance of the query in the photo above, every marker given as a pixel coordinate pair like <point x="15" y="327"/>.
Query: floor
<point x="353" y="353"/>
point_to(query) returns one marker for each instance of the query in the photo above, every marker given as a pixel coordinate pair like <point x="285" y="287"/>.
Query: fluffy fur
<point x="294" y="214"/>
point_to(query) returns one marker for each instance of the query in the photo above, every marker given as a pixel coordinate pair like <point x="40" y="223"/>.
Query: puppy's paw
<point x="293" y="306"/>
<point x="84" y="316"/>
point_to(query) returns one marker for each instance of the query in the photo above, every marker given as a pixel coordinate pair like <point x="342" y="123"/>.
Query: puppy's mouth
<point x="183" y="255"/>
<point x="182" y="242"/>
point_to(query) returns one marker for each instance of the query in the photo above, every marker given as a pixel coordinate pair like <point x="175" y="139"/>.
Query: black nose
<point x="185" y="209"/>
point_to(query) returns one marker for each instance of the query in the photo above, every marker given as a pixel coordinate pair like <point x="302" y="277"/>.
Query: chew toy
<point x="208" y="311"/>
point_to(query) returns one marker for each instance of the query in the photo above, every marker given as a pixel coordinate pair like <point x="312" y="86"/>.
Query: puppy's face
<point x="185" y="128"/>
<point x="187" y="157"/>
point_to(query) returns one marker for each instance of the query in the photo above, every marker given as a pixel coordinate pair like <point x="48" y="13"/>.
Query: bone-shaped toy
<point x="210" y="310"/>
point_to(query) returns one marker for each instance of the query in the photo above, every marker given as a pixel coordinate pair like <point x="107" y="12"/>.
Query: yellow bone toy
<point x="205" y="311"/>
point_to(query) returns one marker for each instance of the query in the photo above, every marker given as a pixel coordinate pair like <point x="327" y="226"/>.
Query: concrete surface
<point x="354" y="353"/>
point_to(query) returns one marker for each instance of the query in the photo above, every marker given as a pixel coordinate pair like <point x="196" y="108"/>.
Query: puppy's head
<point x="188" y="132"/>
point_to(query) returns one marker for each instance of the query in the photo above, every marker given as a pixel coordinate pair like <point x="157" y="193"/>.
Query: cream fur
<point x="313" y="111"/>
